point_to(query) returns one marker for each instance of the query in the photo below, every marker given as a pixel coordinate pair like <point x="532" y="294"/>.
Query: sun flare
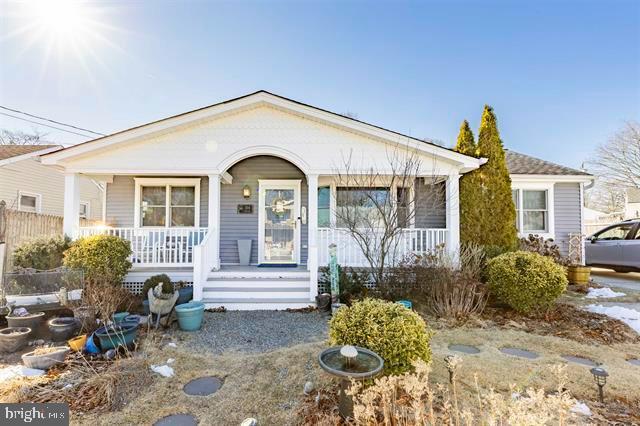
<point x="63" y="20"/>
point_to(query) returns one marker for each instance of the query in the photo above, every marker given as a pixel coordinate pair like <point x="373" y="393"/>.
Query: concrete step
<point x="302" y="294"/>
<point x="257" y="282"/>
<point x="243" y="289"/>
<point x="257" y="306"/>
<point x="258" y="273"/>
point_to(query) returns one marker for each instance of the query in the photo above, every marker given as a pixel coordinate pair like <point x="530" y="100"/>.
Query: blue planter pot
<point x="133" y="319"/>
<point x="111" y="337"/>
<point x="406" y="303"/>
<point x="145" y="306"/>
<point x="185" y="295"/>
<point x="119" y="316"/>
<point x="190" y="315"/>
<point x="90" y="346"/>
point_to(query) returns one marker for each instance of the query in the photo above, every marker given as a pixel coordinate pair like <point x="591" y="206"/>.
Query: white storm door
<point x="278" y="222"/>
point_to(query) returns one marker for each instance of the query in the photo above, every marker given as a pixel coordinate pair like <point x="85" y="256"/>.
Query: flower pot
<point x="132" y="319"/>
<point x="406" y="303"/>
<point x="145" y="307"/>
<point x="12" y="339"/>
<point x="190" y="315"/>
<point x="62" y="329"/>
<point x="33" y="321"/>
<point x="44" y="361"/>
<point x="87" y="317"/>
<point x="119" y="316"/>
<point x="77" y="343"/>
<point x="186" y="294"/>
<point x="244" y="252"/>
<point x="112" y="336"/>
<point x="90" y="346"/>
<point x="578" y="275"/>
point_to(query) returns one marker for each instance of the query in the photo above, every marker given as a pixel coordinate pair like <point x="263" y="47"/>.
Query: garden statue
<point x="161" y="302"/>
<point x="334" y="275"/>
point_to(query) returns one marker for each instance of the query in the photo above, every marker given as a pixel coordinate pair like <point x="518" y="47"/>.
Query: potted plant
<point x="115" y="335"/>
<point x="12" y="339"/>
<point x="162" y="299"/>
<point x="150" y="283"/>
<point x="578" y="274"/>
<point x="190" y="315"/>
<point x="186" y="292"/>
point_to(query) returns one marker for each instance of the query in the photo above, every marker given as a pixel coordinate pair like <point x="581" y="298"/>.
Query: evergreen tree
<point x="470" y="195"/>
<point x="498" y="211"/>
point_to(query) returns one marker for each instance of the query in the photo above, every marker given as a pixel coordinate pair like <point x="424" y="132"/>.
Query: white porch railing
<point x="205" y="259"/>
<point x="156" y="246"/>
<point x="413" y="240"/>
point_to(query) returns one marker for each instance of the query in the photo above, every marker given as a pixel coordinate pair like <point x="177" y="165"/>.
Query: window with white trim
<point x="532" y="210"/>
<point x="166" y="202"/>
<point x="29" y="202"/>
<point x="361" y="206"/>
<point x="84" y="210"/>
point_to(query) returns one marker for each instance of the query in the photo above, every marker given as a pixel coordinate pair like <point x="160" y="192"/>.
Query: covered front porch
<point x="286" y="214"/>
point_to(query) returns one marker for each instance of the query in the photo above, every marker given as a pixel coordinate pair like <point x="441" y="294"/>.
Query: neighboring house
<point x="260" y="168"/>
<point x="595" y="220"/>
<point x="549" y="198"/>
<point x="632" y="205"/>
<point x="27" y="185"/>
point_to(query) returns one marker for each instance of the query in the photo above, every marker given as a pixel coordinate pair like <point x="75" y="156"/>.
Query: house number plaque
<point x="245" y="208"/>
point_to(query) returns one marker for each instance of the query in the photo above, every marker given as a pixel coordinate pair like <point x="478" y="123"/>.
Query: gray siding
<point x="430" y="204"/>
<point x="567" y="206"/>
<point x="234" y="226"/>
<point x="121" y="199"/>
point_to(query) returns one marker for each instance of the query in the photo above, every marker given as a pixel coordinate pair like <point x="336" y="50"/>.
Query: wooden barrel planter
<point x="579" y="275"/>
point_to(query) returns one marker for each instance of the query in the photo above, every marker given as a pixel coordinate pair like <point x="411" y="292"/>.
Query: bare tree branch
<point x="618" y="161"/>
<point x="8" y="137"/>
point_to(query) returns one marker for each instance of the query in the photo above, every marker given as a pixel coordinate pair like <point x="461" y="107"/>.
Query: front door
<point x="278" y="215"/>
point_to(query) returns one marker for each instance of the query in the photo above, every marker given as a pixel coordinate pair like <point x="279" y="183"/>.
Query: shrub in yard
<point x="103" y="258"/>
<point x="537" y="244"/>
<point x="528" y="282"/>
<point x="42" y="253"/>
<point x="152" y="282"/>
<point x="399" y="335"/>
<point x="353" y="283"/>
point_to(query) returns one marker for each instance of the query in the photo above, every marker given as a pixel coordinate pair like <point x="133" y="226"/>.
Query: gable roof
<point x="522" y="164"/>
<point x="13" y="153"/>
<point x="265" y="97"/>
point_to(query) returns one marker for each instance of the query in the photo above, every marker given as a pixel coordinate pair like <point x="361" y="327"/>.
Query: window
<point x="28" y="202"/>
<point x="619" y="232"/>
<point x="324" y="207"/>
<point x="84" y="210"/>
<point x="532" y="210"/>
<point x="364" y="206"/>
<point x="167" y="202"/>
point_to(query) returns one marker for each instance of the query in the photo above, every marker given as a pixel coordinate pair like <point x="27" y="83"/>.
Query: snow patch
<point x="13" y="371"/>
<point x="631" y="317"/>
<point x="581" y="408"/>
<point x="603" y="293"/>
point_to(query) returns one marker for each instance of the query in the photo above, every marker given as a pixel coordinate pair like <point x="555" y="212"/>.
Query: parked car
<point x="616" y="247"/>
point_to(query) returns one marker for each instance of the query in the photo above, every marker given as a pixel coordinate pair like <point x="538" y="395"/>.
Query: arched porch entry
<point x="266" y="202"/>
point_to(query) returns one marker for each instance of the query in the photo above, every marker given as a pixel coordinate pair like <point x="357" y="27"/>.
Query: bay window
<point x="162" y="202"/>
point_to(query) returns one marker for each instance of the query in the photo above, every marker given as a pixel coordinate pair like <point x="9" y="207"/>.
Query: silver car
<point x="616" y="247"/>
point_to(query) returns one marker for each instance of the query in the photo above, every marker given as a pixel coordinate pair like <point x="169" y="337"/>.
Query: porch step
<point x="257" y="288"/>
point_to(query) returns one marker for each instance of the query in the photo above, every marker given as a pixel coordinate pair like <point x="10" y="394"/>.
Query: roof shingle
<point x="9" y="151"/>
<point x="522" y="164"/>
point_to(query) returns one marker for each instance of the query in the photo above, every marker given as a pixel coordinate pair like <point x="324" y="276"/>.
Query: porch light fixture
<point x="600" y="377"/>
<point x="246" y="191"/>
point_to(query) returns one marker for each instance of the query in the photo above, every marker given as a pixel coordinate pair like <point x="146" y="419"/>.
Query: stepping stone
<point x="634" y="361"/>
<point x="465" y="349"/>
<point x="177" y="420"/>
<point x="522" y="353"/>
<point x="580" y="360"/>
<point x="203" y="386"/>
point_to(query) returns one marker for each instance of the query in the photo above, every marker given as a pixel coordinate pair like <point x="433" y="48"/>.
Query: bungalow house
<point x="27" y="185"/>
<point x="263" y="168"/>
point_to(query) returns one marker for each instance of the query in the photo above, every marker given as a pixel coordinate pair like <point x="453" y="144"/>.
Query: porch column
<point x="312" y="226"/>
<point x="453" y="214"/>
<point x="214" y="217"/>
<point x="71" y="220"/>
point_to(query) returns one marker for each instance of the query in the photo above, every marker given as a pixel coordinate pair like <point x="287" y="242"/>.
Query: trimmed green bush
<point x="151" y="282"/>
<point x="526" y="281"/>
<point x="42" y="254"/>
<point x="399" y="335"/>
<point x="103" y="258"/>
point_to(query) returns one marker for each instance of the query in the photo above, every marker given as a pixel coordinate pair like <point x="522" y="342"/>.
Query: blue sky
<point x="561" y="75"/>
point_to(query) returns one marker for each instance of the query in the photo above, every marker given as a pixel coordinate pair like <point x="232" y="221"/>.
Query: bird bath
<point x="349" y="362"/>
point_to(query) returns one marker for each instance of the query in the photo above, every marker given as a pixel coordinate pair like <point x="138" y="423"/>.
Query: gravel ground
<point x="254" y="331"/>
